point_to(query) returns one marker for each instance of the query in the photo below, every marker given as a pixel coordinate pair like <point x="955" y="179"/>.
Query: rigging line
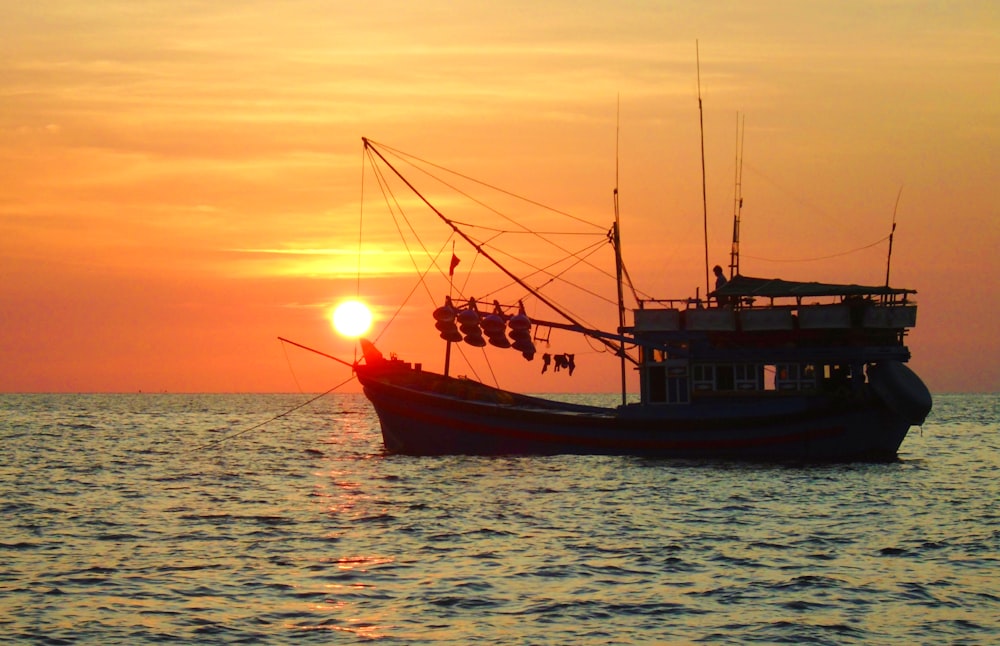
<point x="468" y="364"/>
<point x="536" y="292"/>
<point x="489" y="364"/>
<point x="420" y="282"/>
<point x="811" y="208"/>
<point x="421" y="274"/>
<point x="524" y="232"/>
<point x="406" y="157"/>
<point x="477" y="245"/>
<point x="569" y="254"/>
<point x="486" y="206"/>
<point x="635" y="292"/>
<point x="555" y="308"/>
<point x="276" y="417"/>
<point x="593" y="350"/>
<point x="544" y="270"/>
<point x="384" y="186"/>
<point x="835" y="255"/>
<point x="560" y="277"/>
<point x="361" y="219"/>
<point x="468" y="273"/>
<point x="288" y="360"/>
<point x="524" y="229"/>
<point x="590" y="250"/>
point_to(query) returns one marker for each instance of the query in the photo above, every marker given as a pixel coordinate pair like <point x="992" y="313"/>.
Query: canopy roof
<point x="775" y="288"/>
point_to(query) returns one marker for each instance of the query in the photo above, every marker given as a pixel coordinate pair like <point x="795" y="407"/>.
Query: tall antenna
<point x="704" y="188"/>
<point x="734" y="253"/>
<point x="888" y="261"/>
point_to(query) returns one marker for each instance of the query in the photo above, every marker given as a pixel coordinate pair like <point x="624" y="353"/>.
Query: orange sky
<point x="181" y="181"/>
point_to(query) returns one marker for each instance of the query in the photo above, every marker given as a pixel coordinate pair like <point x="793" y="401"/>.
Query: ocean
<point x="158" y="518"/>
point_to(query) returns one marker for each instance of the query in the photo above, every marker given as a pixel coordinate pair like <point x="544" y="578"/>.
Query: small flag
<point x="454" y="263"/>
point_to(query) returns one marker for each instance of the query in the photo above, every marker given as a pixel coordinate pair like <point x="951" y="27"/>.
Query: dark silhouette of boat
<point x="761" y="369"/>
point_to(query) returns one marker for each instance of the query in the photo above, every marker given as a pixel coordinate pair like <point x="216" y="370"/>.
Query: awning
<point x="776" y="288"/>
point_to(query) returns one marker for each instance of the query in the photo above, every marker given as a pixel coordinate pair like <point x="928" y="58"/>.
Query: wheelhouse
<point x="771" y="337"/>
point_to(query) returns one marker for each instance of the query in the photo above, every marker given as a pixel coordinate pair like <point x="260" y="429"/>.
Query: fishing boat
<point x="757" y="369"/>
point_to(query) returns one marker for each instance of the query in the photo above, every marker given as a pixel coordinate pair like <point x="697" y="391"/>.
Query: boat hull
<point x="436" y="415"/>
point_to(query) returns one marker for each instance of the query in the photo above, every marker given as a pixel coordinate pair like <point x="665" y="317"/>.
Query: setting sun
<point x="352" y="319"/>
<point x="176" y="191"/>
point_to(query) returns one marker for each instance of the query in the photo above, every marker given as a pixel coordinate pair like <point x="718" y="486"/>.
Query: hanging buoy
<point x="495" y="327"/>
<point x="493" y="324"/>
<point x="446" y="312"/>
<point x="444" y="318"/>
<point x="476" y="340"/>
<point x="498" y="340"/>
<point x="523" y="345"/>
<point x="444" y="326"/>
<point x="469" y="315"/>
<point x="468" y="323"/>
<point x="520" y="333"/>
<point x="520" y="321"/>
<point x="470" y="328"/>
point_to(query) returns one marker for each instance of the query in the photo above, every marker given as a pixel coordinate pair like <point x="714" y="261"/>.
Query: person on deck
<point x="720" y="282"/>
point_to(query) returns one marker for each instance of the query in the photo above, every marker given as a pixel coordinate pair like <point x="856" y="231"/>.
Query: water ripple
<point x="115" y="531"/>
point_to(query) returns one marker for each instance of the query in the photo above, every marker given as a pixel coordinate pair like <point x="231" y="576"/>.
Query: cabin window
<point x="724" y="377"/>
<point x="794" y="376"/>
<point x="747" y="376"/>
<point x="836" y="376"/>
<point x="703" y="377"/>
<point x="667" y="384"/>
<point x="728" y="377"/>
<point x="808" y="381"/>
<point x="656" y="382"/>
<point x="677" y="390"/>
<point x="770" y="377"/>
<point x="661" y="354"/>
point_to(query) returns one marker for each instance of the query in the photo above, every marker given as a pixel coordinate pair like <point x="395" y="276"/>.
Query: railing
<point x="819" y="316"/>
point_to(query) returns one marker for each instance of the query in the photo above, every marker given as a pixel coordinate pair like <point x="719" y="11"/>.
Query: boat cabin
<point x="768" y="336"/>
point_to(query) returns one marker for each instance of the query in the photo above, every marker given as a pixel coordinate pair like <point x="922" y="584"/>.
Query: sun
<point x="352" y="319"/>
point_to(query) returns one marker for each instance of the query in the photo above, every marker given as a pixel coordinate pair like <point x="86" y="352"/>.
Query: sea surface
<point x="218" y="519"/>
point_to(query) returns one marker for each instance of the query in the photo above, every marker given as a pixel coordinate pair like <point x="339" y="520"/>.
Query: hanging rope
<point x="835" y="255"/>
<point x="421" y="282"/>
<point x="592" y="249"/>
<point x="523" y="229"/>
<point x="288" y="360"/>
<point x="409" y="159"/>
<point x="393" y="206"/>
<point x="266" y="422"/>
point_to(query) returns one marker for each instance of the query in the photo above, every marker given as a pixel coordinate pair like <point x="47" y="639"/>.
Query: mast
<point x="451" y="289"/>
<point x="704" y="188"/>
<point x="616" y="240"/>
<point x="734" y="254"/>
